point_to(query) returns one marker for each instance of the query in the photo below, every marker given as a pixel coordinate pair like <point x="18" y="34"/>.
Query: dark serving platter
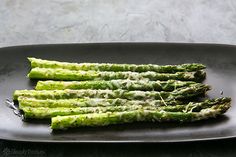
<point x="221" y="74"/>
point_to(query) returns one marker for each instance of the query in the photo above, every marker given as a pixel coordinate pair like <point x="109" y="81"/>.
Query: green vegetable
<point x="89" y="102"/>
<point x="70" y="75"/>
<point x="45" y="112"/>
<point x="115" y="67"/>
<point x="169" y="85"/>
<point x="103" y="119"/>
<point x="180" y="93"/>
<point x="42" y="112"/>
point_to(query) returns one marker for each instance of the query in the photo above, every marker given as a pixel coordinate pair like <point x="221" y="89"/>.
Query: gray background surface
<point x="68" y="21"/>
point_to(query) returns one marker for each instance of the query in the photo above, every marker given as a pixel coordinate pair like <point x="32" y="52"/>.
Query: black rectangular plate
<point x="221" y="74"/>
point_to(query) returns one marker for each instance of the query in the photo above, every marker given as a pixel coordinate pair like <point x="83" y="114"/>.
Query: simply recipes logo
<point x="11" y="152"/>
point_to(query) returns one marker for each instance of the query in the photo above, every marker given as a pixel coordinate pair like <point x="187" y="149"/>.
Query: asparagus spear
<point x="45" y="112"/>
<point x="115" y="67"/>
<point x="97" y="102"/>
<point x="180" y="93"/>
<point x="72" y="75"/>
<point x="90" y="102"/>
<point x="103" y="119"/>
<point x="169" y="85"/>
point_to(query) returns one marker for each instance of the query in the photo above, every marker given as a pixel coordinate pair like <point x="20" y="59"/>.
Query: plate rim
<point x="117" y="43"/>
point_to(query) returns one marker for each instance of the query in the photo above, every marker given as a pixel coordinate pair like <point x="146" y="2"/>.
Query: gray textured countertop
<point x="67" y="21"/>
